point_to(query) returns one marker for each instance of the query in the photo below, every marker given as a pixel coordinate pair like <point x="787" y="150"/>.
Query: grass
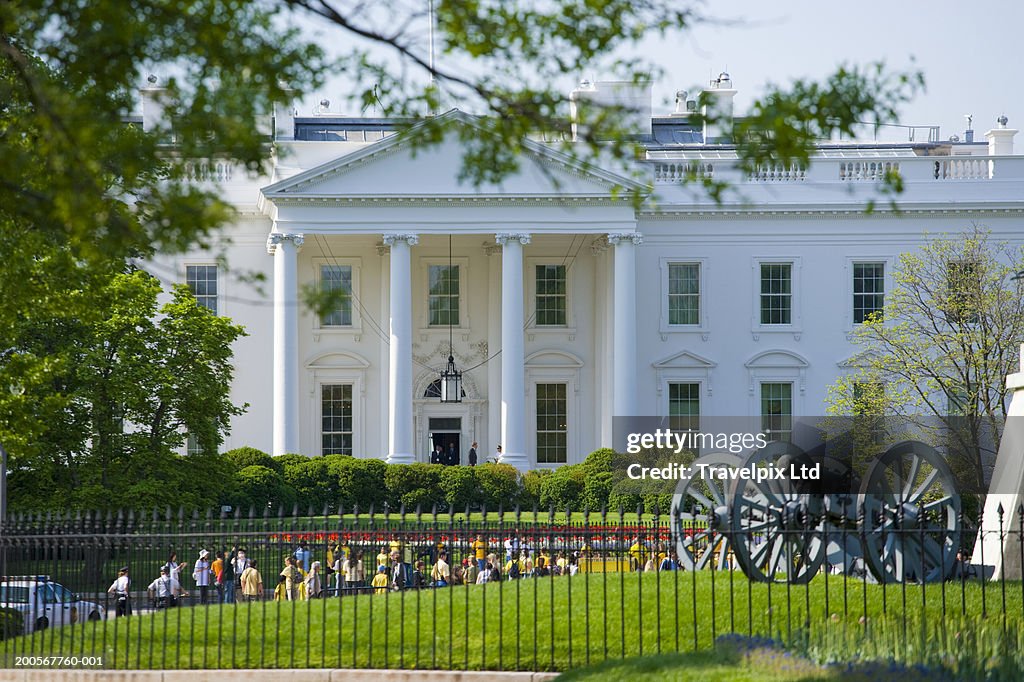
<point x="564" y="623"/>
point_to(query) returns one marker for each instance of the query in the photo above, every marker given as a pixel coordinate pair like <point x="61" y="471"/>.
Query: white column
<point x="513" y="371"/>
<point x="400" y="431"/>
<point x="285" y="248"/>
<point x="624" y="379"/>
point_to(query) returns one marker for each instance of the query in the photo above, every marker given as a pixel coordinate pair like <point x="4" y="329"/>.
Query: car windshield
<point x="63" y="594"/>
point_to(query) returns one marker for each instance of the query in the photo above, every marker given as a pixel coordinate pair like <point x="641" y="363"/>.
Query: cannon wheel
<point x="910" y="523"/>
<point x="700" y="513"/>
<point x="778" y="529"/>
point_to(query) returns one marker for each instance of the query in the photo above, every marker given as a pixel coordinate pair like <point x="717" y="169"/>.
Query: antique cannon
<point x="899" y="522"/>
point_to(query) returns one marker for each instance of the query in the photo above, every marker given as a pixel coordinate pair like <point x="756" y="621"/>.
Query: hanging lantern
<point x="451" y="377"/>
<point x="451" y="383"/>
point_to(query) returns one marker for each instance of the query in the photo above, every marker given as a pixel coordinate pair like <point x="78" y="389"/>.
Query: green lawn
<point x="561" y="624"/>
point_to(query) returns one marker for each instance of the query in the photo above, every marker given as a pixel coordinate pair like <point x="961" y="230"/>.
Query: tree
<point x="82" y="189"/>
<point x="123" y="388"/>
<point x="940" y="350"/>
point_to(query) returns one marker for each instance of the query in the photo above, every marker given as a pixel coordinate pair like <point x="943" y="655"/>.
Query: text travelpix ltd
<point x="682" y="472"/>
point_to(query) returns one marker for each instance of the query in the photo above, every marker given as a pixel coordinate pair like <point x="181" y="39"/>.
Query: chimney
<point x="719" y="96"/>
<point x="1000" y="139"/>
<point x="152" y="105"/>
<point x="633" y="99"/>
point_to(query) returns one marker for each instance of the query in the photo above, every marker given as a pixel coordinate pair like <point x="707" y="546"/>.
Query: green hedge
<point x="12" y="623"/>
<point x="335" y="481"/>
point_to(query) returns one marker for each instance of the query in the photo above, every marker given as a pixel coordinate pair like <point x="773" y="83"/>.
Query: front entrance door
<point x="446" y="432"/>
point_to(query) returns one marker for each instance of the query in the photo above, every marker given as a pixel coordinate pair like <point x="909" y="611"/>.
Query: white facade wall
<point x="343" y="198"/>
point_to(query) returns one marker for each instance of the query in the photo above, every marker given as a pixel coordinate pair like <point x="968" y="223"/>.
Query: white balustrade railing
<point x="778" y="173"/>
<point x="209" y="171"/>
<point x="680" y="171"/>
<point x="912" y="169"/>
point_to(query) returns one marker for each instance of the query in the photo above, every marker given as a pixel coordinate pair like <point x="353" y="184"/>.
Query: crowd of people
<point x="232" y="576"/>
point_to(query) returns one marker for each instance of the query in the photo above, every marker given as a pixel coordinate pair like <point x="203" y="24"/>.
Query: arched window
<point x="434" y="390"/>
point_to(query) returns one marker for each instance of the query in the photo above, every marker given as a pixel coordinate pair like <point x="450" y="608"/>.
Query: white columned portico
<point x="285" y="248"/>
<point x="624" y="375"/>
<point x="400" y="429"/>
<point x="513" y="370"/>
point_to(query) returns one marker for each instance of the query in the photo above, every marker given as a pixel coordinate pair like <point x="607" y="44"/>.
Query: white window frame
<point x="667" y="400"/>
<point x="886" y="261"/>
<point x="793" y="393"/>
<point x="356" y="328"/>
<point x="531" y="292"/>
<point x="185" y="265"/>
<point x="702" y="325"/>
<point x="566" y="371"/>
<point x="795" y="325"/>
<point x="568" y="422"/>
<point x="357" y="399"/>
<point x="423" y="301"/>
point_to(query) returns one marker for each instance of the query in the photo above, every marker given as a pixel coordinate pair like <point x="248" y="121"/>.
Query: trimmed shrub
<point x="414" y="485"/>
<point x="248" y="456"/>
<point x="258" y="486"/>
<point x="360" y="482"/>
<point x="599" y="461"/>
<point x="626" y="501"/>
<point x="662" y="502"/>
<point x="532" y="482"/>
<point x="289" y="460"/>
<point x="314" y="486"/>
<point x="12" y="623"/>
<point x="460" y="487"/>
<point x="597" y="488"/>
<point x="499" y="485"/>
<point x="562" y="489"/>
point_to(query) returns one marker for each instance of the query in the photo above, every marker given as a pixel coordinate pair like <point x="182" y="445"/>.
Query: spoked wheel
<point x="777" y="528"/>
<point x="910" y="526"/>
<point x="700" y="513"/>
<point x="839" y="487"/>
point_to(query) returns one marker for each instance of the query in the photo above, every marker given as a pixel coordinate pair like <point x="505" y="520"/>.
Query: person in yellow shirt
<point x="636" y="555"/>
<point x="479" y="547"/>
<point x="380" y="581"/>
<point x="383" y="556"/>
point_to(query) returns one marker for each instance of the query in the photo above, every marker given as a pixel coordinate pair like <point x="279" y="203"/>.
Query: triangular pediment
<point x="398" y="168"/>
<point x="684" y="360"/>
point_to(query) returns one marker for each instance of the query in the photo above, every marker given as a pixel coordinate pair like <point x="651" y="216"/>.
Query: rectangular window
<point x="868" y="291"/>
<point x="777" y="410"/>
<point x="202" y="280"/>
<point x="552" y="424"/>
<point x="684" y="407"/>
<point x="336" y="419"/>
<point x="963" y="292"/>
<point x="193" y="447"/>
<point x="776" y="293"/>
<point x="444" y="295"/>
<point x="551" y="296"/>
<point x="336" y="284"/>
<point x="684" y="293"/>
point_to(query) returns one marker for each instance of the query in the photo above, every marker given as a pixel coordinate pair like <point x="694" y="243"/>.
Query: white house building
<point x="566" y="304"/>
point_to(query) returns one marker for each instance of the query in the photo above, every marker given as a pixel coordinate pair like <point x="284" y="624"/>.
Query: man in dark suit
<point x="452" y="455"/>
<point x="437" y="456"/>
<point x="472" y="454"/>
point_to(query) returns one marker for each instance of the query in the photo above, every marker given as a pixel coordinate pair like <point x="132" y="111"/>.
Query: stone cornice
<point x="817" y="213"/>
<point x="427" y="201"/>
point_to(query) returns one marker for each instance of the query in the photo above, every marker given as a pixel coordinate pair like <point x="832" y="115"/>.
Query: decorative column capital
<point x="615" y="238"/>
<point x="277" y="237"/>
<point x="505" y="237"/>
<point x="410" y="239"/>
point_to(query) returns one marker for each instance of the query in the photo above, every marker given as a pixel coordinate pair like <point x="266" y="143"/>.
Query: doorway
<point x="446" y="432"/>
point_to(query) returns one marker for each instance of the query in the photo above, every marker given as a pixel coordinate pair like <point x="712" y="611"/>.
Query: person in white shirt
<point x="174" y="567"/>
<point x="165" y="590"/>
<point x="120" y="588"/>
<point x="355" y="574"/>
<point x="201" y="574"/>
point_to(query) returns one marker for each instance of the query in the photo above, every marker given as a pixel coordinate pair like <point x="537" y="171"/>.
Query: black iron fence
<point x="513" y="590"/>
